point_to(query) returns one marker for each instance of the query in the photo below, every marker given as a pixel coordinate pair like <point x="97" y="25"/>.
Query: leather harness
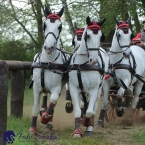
<point x="117" y="65"/>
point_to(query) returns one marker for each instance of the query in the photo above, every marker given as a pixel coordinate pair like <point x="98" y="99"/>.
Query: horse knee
<point x="35" y="111"/>
<point x="89" y="114"/>
<point x="104" y="105"/>
<point x="121" y="92"/>
<point x="77" y="113"/>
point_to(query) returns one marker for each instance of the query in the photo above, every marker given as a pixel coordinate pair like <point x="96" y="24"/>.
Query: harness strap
<point x="117" y="81"/>
<point x="132" y="70"/>
<point x="86" y="67"/>
<point x="81" y="86"/>
<point x="42" y="78"/>
<point x="103" y="64"/>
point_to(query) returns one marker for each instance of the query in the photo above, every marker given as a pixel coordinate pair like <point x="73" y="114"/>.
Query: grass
<point x="139" y="138"/>
<point x="20" y="127"/>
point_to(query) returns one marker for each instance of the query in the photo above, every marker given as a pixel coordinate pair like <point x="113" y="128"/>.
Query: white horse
<point x="86" y="78"/>
<point x="76" y="43"/>
<point x="127" y="69"/>
<point x="48" y="70"/>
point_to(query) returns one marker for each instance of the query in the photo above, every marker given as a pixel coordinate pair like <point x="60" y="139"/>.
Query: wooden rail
<point x="17" y="69"/>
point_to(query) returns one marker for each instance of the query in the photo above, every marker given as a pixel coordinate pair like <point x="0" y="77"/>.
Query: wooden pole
<point x="17" y="93"/>
<point x="3" y="99"/>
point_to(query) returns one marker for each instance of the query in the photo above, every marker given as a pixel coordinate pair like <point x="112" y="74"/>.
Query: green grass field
<point x="62" y="134"/>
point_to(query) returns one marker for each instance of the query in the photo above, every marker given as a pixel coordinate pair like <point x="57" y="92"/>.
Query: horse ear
<point x="101" y="22"/>
<point x="88" y="21"/>
<point x="60" y="13"/>
<point x="128" y="21"/>
<point x="47" y="11"/>
<point x="75" y="25"/>
<point x="117" y="22"/>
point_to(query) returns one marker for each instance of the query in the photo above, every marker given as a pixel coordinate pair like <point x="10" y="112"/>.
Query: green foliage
<point x="15" y="50"/>
<point x="139" y="138"/>
<point x="22" y="23"/>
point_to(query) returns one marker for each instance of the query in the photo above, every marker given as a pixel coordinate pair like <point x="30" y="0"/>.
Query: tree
<point x="23" y="20"/>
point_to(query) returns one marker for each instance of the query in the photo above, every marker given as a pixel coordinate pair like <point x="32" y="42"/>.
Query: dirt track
<point x="117" y="132"/>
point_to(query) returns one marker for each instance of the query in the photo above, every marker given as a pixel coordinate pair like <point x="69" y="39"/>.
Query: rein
<point x="119" y="51"/>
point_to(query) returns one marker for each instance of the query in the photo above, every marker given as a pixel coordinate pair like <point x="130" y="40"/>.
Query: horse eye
<point x="59" y="27"/>
<point x="88" y="36"/>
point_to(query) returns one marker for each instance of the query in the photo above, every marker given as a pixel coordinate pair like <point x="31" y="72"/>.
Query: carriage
<point x="123" y="90"/>
<point x="110" y="114"/>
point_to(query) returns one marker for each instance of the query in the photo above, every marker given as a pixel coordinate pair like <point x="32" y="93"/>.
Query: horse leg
<point x="137" y="91"/>
<point x="35" y="110"/>
<point x="89" y="128"/>
<point x="77" y="112"/>
<point x="105" y="92"/>
<point x="44" y="104"/>
<point x="82" y="108"/>
<point x="120" y="109"/>
<point x="130" y="112"/>
<point x="69" y="105"/>
<point x="92" y="100"/>
<point x="129" y="95"/>
<point x="88" y="119"/>
<point x="47" y="116"/>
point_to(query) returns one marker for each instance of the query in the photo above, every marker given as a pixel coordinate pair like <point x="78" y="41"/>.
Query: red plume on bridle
<point x="49" y="14"/>
<point x="93" y="25"/>
<point x="122" y="24"/>
<point x="78" y="31"/>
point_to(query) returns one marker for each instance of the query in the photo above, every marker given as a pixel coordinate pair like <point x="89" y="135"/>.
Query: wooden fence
<point x="17" y="69"/>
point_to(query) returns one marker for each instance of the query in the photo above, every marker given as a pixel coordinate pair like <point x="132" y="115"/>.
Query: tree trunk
<point x="68" y="18"/>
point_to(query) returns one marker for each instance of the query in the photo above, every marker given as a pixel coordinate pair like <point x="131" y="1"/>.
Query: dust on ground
<point x="115" y="131"/>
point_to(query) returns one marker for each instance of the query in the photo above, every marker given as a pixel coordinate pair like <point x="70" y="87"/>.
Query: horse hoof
<point x="77" y="134"/>
<point x="45" y="118"/>
<point x="88" y="133"/>
<point x="32" y="130"/>
<point x="42" y="110"/>
<point x="120" y="113"/>
<point x="69" y="108"/>
<point x="100" y="123"/>
<point x="49" y="126"/>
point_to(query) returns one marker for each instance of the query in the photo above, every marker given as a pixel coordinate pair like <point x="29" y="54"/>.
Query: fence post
<point x="17" y="93"/>
<point x="3" y="99"/>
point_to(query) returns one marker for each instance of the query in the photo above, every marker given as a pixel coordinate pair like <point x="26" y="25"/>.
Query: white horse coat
<point x="91" y="80"/>
<point x="123" y="54"/>
<point x="47" y="72"/>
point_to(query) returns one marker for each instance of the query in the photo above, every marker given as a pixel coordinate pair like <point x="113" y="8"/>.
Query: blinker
<point x="94" y="27"/>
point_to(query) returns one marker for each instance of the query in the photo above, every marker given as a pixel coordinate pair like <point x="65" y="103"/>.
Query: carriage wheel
<point x="110" y="114"/>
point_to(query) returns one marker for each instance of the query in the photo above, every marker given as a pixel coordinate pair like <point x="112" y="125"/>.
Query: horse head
<point x="52" y="29"/>
<point x="92" y="36"/>
<point x="78" y="36"/>
<point x="123" y="35"/>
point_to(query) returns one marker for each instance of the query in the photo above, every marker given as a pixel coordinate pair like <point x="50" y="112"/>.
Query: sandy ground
<point x="115" y="131"/>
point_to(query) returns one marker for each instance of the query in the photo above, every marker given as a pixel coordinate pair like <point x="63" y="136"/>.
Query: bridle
<point x="95" y="28"/>
<point x="53" y="18"/>
<point x="125" y="28"/>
